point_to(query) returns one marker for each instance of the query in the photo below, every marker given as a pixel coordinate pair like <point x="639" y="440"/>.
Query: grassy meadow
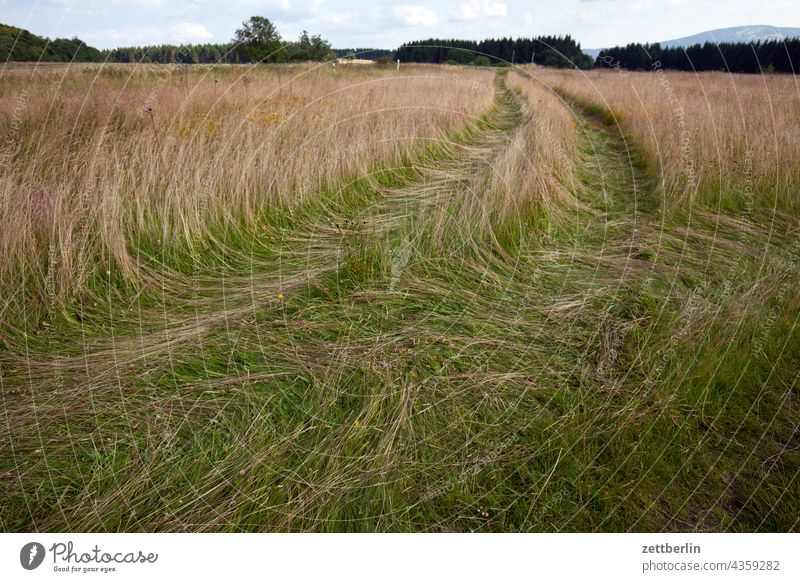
<point x="439" y="298"/>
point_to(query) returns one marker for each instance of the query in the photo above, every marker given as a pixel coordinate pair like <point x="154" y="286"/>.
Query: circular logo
<point x="31" y="555"/>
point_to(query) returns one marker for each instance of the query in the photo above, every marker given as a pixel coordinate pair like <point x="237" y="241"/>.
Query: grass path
<point x="394" y="358"/>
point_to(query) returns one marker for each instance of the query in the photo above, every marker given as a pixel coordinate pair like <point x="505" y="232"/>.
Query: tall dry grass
<point x="515" y="179"/>
<point x="96" y="157"/>
<point x="722" y="138"/>
<point x="541" y="158"/>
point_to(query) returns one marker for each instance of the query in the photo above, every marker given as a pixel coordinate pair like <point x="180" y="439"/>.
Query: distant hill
<point x="746" y="34"/>
<point x="17" y="44"/>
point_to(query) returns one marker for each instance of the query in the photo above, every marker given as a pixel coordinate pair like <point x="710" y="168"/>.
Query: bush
<point x="460" y="56"/>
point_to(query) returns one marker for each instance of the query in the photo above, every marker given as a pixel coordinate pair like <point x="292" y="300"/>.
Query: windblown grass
<point x="730" y="141"/>
<point x="100" y="157"/>
<point x="495" y="321"/>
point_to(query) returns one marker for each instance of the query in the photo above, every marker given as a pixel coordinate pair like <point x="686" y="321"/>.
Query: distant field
<point x="293" y="298"/>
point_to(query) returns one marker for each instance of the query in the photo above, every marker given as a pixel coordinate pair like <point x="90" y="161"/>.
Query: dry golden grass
<point x="507" y="332"/>
<point x="541" y="159"/>
<point x="512" y="181"/>
<point x="96" y="156"/>
<point x="734" y="139"/>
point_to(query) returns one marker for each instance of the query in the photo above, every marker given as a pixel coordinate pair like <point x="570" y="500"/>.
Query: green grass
<point x="361" y="363"/>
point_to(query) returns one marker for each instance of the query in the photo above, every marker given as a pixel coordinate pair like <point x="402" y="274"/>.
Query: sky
<point x="387" y="24"/>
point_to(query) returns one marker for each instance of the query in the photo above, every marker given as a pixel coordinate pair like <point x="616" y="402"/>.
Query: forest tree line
<point x="549" y="51"/>
<point x="364" y="53"/>
<point x="259" y="41"/>
<point x="175" y="54"/>
<point x="17" y="44"/>
<point x="761" y="57"/>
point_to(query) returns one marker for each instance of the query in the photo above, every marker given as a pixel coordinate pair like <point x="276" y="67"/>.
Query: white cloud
<point x="478" y="9"/>
<point x="189" y="32"/>
<point x="415" y="15"/>
<point x="348" y="23"/>
<point x="530" y="19"/>
<point x="128" y="36"/>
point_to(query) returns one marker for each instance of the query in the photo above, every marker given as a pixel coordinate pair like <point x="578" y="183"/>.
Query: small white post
<point x="398" y="64"/>
<point x="333" y="63"/>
